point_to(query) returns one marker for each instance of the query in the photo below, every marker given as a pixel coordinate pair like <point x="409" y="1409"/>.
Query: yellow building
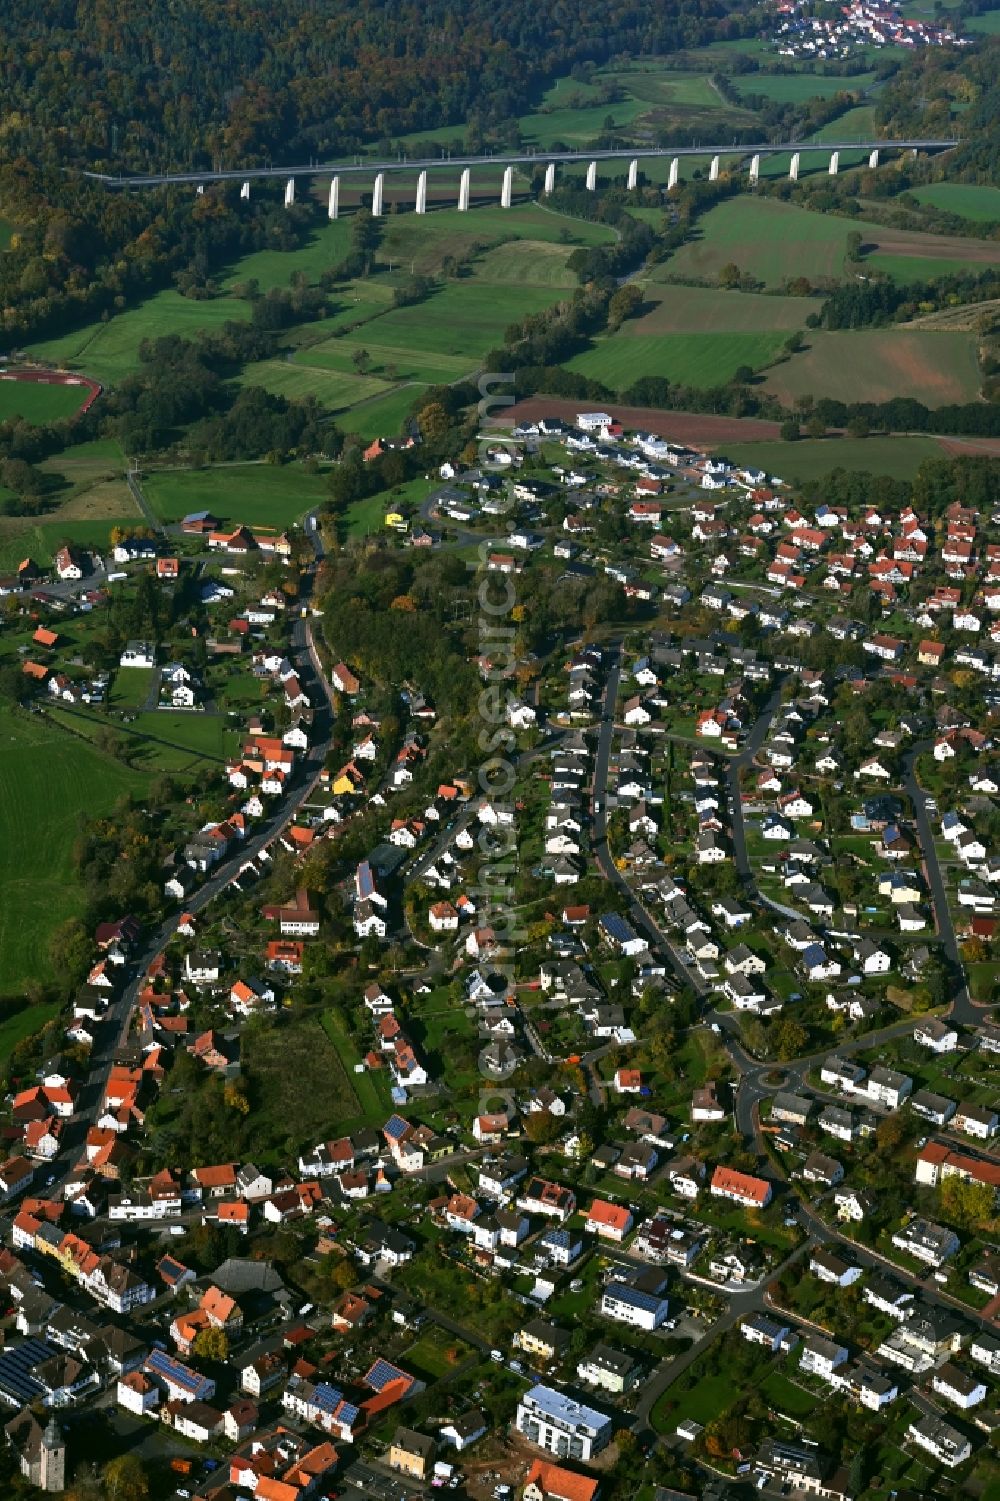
<point x="412" y="1453"/>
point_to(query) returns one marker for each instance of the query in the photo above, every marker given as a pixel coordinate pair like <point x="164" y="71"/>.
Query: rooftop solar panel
<point x="327" y="1398"/>
<point x="381" y="1373"/>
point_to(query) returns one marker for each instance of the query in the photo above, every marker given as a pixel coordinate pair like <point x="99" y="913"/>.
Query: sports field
<point x="812" y="458"/>
<point x="702" y="360"/>
<point x="47" y="779"/>
<point x="877" y="364"/>
<point x="254" y="494"/>
<point x="967" y="199"/>
<point x="776" y="242"/>
<point x="37" y="402"/>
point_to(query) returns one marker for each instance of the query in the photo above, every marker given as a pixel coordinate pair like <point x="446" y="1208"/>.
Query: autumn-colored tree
<point x="968" y="1205"/>
<point x="540" y="1127"/>
<point x="434" y="421"/>
<point x="211" y="1344"/>
<point x="343" y="1276"/>
<point x="236" y="1096"/>
<point x="125" y="1479"/>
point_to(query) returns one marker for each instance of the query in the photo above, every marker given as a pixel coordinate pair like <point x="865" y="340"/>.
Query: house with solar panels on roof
<point x="369" y="904"/>
<point x="180" y="1382"/>
<point x="345" y="1415"/>
<point x="627" y="1304"/>
<point x="398" y="1133"/>
<point x="323" y="1404"/>
<point x="621" y="935"/>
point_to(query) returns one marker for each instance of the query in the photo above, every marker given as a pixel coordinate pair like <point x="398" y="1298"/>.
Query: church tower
<point x="53" y="1458"/>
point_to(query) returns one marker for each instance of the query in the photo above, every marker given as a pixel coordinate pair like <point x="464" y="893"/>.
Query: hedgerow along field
<point x="935" y="367"/>
<point x="47" y="780"/>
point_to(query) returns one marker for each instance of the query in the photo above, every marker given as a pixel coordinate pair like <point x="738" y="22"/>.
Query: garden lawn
<point x="429" y="1357"/>
<point x="299" y="1089"/>
<point x="267" y="495"/>
<point x="786" y="1396"/>
<point x="41" y="540"/>
<point x="131" y="686"/>
<point x="371" y="1089"/>
<point x="700" y="360"/>
<point x="364" y="518"/>
<point x="704" y="1402"/>
<point x="47" y="780"/>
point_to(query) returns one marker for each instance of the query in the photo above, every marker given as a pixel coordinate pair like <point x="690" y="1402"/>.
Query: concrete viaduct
<point x="550" y="160"/>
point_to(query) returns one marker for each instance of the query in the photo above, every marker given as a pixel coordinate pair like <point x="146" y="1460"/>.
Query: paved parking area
<point x="364" y="1480"/>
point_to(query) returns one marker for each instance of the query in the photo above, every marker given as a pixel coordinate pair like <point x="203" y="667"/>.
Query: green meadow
<point x="253" y="494"/>
<point x="47" y="780"/>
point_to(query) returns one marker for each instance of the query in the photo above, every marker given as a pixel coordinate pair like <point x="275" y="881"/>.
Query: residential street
<point x="115" y="1027"/>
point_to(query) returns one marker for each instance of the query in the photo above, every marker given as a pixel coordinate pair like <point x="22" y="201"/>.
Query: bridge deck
<point x="533" y="159"/>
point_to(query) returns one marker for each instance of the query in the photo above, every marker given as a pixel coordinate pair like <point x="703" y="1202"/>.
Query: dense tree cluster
<point x="200" y="81"/>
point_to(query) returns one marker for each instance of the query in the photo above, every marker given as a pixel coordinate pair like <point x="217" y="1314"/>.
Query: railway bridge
<point x="743" y="159"/>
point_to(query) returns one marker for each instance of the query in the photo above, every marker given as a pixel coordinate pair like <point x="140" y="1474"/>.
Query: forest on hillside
<point x="137" y="87"/>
